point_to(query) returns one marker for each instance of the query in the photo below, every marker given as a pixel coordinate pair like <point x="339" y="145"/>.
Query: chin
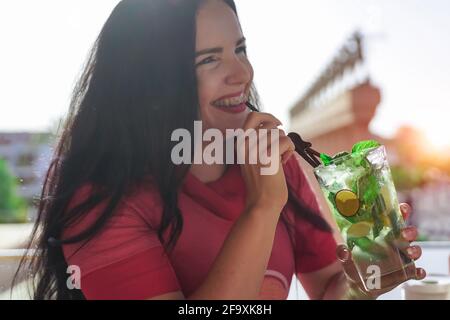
<point x="237" y="123"/>
<point x="223" y="121"/>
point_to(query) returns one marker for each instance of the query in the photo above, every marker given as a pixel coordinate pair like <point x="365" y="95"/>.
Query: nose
<point x="240" y="72"/>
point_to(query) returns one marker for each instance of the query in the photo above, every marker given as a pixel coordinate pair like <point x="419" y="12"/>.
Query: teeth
<point x="231" y="101"/>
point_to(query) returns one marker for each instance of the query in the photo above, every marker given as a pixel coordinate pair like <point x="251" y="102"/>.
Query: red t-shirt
<point x="126" y="261"/>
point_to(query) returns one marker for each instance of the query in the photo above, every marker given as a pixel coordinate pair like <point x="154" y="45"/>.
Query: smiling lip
<point x="237" y="94"/>
<point x="237" y="109"/>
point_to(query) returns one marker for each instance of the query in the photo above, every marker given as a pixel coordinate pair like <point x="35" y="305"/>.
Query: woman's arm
<point x="331" y="283"/>
<point x="238" y="271"/>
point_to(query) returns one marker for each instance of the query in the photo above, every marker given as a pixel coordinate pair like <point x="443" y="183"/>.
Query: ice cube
<point x="377" y="158"/>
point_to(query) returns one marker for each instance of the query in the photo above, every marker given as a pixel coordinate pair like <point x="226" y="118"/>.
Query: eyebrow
<point x="218" y="49"/>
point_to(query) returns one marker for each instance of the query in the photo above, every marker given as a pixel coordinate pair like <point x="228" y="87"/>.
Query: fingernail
<point x="344" y="254"/>
<point x="420" y="274"/>
<point x="411" y="251"/>
<point x="406" y="233"/>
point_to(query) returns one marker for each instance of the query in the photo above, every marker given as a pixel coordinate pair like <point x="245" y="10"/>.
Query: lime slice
<point x="360" y="229"/>
<point x="347" y="203"/>
<point x="386" y="221"/>
<point x="386" y="196"/>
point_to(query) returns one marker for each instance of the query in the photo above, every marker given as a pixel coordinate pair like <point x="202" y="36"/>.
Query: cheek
<point x="250" y="68"/>
<point x="207" y="86"/>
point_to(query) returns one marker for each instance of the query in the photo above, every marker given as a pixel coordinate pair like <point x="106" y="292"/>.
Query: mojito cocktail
<point x="360" y="192"/>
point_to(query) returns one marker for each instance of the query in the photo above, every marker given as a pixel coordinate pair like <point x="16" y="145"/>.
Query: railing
<point x="9" y="262"/>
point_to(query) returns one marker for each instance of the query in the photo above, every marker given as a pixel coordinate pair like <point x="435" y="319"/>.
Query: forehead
<point x="217" y="25"/>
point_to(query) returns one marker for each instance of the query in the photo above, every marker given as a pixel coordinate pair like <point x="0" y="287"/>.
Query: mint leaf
<point x="368" y="189"/>
<point x="363" y="145"/>
<point x="340" y="154"/>
<point x="359" y="160"/>
<point x="326" y="159"/>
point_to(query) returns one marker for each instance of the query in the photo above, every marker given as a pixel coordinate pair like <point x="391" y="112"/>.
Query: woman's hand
<point x="409" y="234"/>
<point x="268" y="192"/>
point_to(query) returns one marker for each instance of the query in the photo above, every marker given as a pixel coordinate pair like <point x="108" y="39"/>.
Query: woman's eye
<point x="242" y="49"/>
<point x="205" y="61"/>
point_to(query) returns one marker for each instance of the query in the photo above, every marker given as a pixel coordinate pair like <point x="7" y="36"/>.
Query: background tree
<point x="13" y="208"/>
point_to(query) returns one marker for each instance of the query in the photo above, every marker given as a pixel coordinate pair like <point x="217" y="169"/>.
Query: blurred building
<point x="28" y="156"/>
<point x="335" y="112"/>
<point x="340" y="122"/>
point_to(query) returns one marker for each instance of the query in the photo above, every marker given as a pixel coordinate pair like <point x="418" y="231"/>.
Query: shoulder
<point x="129" y="230"/>
<point x="142" y="200"/>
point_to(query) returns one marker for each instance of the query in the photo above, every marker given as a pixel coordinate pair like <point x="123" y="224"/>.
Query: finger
<point x="258" y="136"/>
<point x="345" y="256"/>
<point x="414" y="252"/>
<point x="343" y="253"/>
<point x="420" y="274"/>
<point x="255" y="119"/>
<point x="268" y="125"/>
<point x="266" y="133"/>
<point x="286" y="145"/>
<point x="279" y="141"/>
<point x="263" y="131"/>
<point x="268" y="138"/>
<point x="405" y="210"/>
<point x="409" y="233"/>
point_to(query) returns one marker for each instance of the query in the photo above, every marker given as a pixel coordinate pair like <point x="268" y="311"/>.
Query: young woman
<point x="137" y="225"/>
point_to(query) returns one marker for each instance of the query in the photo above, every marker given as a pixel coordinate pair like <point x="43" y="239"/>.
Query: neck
<point x="207" y="172"/>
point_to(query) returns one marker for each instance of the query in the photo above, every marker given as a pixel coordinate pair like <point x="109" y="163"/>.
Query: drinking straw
<point x="304" y="149"/>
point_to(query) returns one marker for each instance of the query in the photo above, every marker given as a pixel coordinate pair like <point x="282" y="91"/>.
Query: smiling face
<point x="224" y="74"/>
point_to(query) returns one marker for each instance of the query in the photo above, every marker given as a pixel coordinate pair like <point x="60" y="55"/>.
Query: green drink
<point x="360" y="192"/>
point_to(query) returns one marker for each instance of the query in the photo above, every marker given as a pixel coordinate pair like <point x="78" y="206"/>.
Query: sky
<point x="44" y="45"/>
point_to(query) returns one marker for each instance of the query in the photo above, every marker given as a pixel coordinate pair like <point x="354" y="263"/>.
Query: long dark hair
<point x="138" y="85"/>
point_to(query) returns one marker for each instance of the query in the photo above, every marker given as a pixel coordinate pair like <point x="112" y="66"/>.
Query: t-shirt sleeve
<point x="314" y="248"/>
<point x="125" y="260"/>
